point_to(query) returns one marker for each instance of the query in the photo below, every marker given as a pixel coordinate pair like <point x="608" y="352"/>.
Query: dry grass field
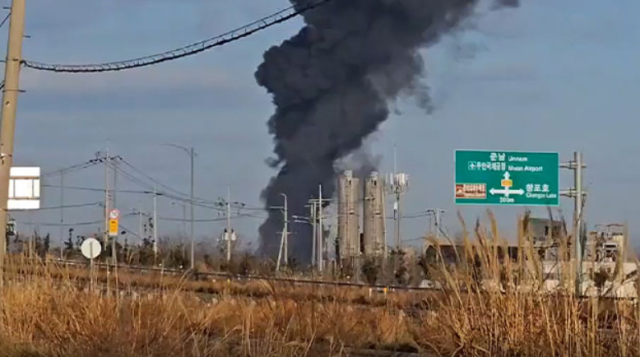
<point x="50" y="314"/>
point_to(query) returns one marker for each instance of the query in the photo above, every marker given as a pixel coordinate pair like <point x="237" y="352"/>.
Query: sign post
<point x="507" y="178"/>
<point x="114" y="227"/>
<point x="91" y="249"/>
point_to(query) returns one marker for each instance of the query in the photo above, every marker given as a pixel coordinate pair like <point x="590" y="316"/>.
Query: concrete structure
<point x="373" y="216"/>
<point x="348" y="216"/>
<point x="546" y="235"/>
<point x="606" y="244"/>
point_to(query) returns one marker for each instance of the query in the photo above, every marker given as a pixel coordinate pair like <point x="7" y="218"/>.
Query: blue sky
<point x="553" y="75"/>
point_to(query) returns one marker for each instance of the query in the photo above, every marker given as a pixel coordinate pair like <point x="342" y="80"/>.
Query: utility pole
<point x="578" y="219"/>
<point x="62" y="232"/>
<point x="8" y="116"/>
<point x="229" y="235"/>
<point x="155" y="223"/>
<point x="314" y="235"/>
<point x="192" y="154"/>
<point x="106" y="198"/>
<point x="114" y="252"/>
<point x="437" y="215"/>
<point x="115" y="184"/>
<point x="285" y="234"/>
<point x="398" y="185"/>
<point x="577" y="193"/>
<point x="191" y="214"/>
<point x="140" y="233"/>
<point x="286" y="229"/>
<point x="397" y="216"/>
<point x="320" y="239"/>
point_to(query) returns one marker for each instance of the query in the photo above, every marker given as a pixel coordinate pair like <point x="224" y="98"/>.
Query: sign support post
<point x="577" y="193"/>
<point x="91" y="249"/>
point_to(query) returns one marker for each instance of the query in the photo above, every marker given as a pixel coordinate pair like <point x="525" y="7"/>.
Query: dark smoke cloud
<point x="331" y="84"/>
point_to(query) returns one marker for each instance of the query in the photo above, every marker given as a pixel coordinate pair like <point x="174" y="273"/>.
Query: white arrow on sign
<point x="505" y="190"/>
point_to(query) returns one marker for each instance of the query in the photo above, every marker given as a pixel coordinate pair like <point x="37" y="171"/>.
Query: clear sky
<point x="552" y="75"/>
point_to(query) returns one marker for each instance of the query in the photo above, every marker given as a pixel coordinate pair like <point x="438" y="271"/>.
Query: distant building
<point x="606" y="244"/>
<point x="546" y="236"/>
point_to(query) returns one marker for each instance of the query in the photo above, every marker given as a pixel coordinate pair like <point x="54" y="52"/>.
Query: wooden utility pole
<point x="9" y="109"/>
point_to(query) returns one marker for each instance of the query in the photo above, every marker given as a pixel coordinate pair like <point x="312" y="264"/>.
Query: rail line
<point x="205" y="276"/>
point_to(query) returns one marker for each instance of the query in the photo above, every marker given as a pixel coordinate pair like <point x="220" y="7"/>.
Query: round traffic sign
<point x="114" y="214"/>
<point x="91" y="248"/>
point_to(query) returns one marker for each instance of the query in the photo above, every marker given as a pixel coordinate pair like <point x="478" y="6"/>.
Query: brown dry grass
<point x="43" y="316"/>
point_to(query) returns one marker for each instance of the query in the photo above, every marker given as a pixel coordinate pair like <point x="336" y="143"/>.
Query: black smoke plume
<point x="331" y="84"/>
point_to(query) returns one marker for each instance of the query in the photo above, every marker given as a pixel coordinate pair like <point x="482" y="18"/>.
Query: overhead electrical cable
<point x="69" y="206"/>
<point x="72" y="168"/>
<point x="152" y="190"/>
<point x="189" y="50"/>
<point x="59" y="224"/>
<point x="5" y="19"/>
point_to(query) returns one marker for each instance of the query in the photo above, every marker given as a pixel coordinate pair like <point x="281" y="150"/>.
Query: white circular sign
<point x="91" y="248"/>
<point x="114" y="214"/>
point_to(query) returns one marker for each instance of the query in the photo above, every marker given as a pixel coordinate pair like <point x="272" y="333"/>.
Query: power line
<point x="73" y="168"/>
<point x="5" y="19"/>
<point x="45" y="224"/>
<point x="95" y="189"/>
<point x="189" y="50"/>
<point x="136" y="180"/>
<point x="68" y="206"/>
<point x="146" y="176"/>
<point x="240" y="216"/>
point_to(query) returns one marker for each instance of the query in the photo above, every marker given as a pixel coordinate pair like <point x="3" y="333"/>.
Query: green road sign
<point x="507" y="178"/>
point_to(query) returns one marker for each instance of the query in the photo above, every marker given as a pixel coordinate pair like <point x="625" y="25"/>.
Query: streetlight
<point x="192" y="156"/>
<point x="184" y="217"/>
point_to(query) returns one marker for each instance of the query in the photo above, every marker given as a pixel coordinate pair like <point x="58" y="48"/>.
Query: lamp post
<point x="192" y="155"/>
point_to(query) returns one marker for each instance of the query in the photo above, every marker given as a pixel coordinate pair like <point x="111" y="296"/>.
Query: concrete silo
<point x="373" y="216"/>
<point x="348" y="215"/>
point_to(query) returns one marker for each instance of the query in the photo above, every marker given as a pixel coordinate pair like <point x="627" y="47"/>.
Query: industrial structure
<point x="348" y="216"/>
<point x="373" y="236"/>
<point x="361" y="217"/>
